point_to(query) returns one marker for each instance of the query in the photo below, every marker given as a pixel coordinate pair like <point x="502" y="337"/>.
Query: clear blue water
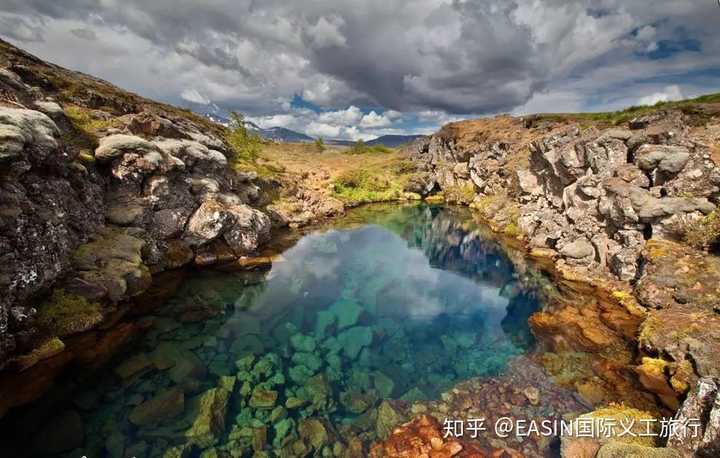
<point x="393" y="303"/>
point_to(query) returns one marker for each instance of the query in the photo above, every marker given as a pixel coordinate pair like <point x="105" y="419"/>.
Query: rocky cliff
<point x="610" y="207"/>
<point x="100" y="190"/>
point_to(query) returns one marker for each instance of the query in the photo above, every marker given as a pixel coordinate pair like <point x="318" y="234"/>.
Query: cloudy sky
<point x="357" y="69"/>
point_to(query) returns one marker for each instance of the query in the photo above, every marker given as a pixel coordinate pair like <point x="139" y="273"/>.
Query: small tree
<point x="320" y="145"/>
<point x="359" y="147"/>
<point x="246" y="145"/>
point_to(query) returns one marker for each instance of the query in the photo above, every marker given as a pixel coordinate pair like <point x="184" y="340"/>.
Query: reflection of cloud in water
<point x="411" y="288"/>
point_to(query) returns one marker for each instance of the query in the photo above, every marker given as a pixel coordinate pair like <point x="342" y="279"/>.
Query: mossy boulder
<point x="110" y="267"/>
<point x="65" y="314"/>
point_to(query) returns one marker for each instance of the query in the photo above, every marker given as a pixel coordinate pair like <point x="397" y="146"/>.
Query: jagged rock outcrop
<point x="99" y="190"/>
<point x="604" y="211"/>
<point x="699" y="417"/>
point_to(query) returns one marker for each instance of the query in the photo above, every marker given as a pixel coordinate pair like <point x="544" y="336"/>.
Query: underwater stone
<point x="383" y="384"/>
<point x="179" y="451"/>
<point x="325" y="319"/>
<point x="387" y="419"/>
<point x="209" y="408"/>
<point x="247" y="344"/>
<point x="353" y="340"/>
<point x="165" y="406"/>
<point x="277" y="414"/>
<point x="227" y="383"/>
<point x="294" y="403"/>
<point x="465" y="340"/>
<point x="259" y="438"/>
<point x="414" y="394"/>
<point x="282" y="431"/>
<point x="263" y="399"/>
<point x="347" y="313"/>
<point x="245" y="363"/>
<point x="317" y="390"/>
<point x="133" y="365"/>
<point x="189" y="366"/>
<point x="360" y="379"/>
<point x="313" y="432"/>
<point x="309" y="360"/>
<point x="301" y="342"/>
<point x="300" y="374"/>
<point x="358" y="402"/>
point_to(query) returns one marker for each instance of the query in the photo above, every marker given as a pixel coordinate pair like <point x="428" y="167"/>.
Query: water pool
<point x="295" y="359"/>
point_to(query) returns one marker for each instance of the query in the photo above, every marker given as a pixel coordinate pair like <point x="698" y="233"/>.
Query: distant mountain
<point x="392" y="141"/>
<point x="285" y="135"/>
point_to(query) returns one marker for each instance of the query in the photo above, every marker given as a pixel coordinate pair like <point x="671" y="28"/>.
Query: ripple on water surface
<point x="402" y="305"/>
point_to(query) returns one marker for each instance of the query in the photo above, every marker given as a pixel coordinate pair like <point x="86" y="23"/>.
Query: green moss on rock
<point x="64" y="314"/>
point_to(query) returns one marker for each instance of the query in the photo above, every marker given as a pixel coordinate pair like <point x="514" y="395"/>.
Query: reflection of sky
<point x="414" y="290"/>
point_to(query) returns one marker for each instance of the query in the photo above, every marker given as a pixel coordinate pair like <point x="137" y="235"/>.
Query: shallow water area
<point x="397" y="303"/>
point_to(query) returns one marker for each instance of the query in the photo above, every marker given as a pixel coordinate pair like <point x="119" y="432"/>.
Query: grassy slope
<point x="700" y="107"/>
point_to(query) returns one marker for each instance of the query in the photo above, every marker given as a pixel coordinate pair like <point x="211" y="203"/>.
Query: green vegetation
<point x="245" y="145"/>
<point x="689" y="106"/>
<point x="705" y="233"/>
<point x="360" y="147"/>
<point x="86" y="124"/>
<point x="319" y="145"/>
<point x="463" y="193"/>
<point x="363" y="186"/>
<point x="64" y="313"/>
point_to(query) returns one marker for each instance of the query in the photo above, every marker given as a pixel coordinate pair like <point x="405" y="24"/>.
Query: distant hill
<point x="291" y="136"/>
<point x="392" y="141"/>
<point x="285" y="135"/>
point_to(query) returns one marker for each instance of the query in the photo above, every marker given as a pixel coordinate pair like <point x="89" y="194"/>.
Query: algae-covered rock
<point x="209" y="410"/>
<point x="180" y="451"/>
<point x="383" y="384"/>
<point x="358" y="402"/>
<point x="47" y="350"/>
<point x="263" y="399"/>
<point x="347" y="313"/>
<point x="313" y="432"/>
<point x="641" y="424"/>
<point x="295" y="403"/>
<point x="303" y="343"/>
<point x="387" y="418"/>
<point x="111" y="266"/>
<point x="353" y="340"/>
<point x="309" y="360"/>
<point x="616" y="449"/>
<point x="166" y="405"/>
<point x="300" y="374"/>
<point x="318" y="392"/>
<point x="283" y="432"/>
<point x="64" y="314"/>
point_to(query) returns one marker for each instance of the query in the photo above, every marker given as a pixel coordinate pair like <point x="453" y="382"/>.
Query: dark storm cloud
<point x="455" y="56"/>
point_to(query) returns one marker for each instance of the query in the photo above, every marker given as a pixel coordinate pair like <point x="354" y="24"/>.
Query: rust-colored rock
<point x="423" y="437"/>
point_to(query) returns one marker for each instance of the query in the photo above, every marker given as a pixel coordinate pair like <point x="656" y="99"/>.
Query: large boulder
<point x="700" y="416"/>
<point x="223" y="216"/>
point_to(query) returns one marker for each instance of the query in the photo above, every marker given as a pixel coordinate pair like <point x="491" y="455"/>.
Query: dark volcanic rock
<point x="100" y="189"/>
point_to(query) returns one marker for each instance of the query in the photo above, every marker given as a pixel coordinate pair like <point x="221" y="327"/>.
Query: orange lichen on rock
<point x="423" y="438"/>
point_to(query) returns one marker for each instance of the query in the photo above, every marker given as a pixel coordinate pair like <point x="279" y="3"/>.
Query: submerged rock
<point x="387" y="418"/>
<point x="263" y="399"/>
<point x="353" y="340"/>
<point x="166" y="405"/>
<point x="208" y="411"/>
